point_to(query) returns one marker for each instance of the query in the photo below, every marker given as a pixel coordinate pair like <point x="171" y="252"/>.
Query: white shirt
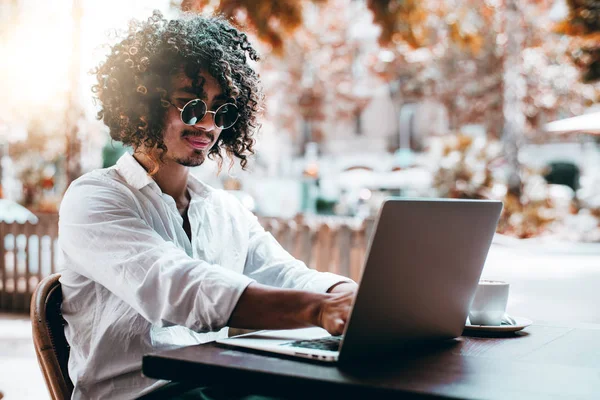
<point x="134" y="283"/>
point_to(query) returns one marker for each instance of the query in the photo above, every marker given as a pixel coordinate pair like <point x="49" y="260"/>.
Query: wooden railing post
<point x="11" y="284"/>
<point x="28" y="231"/>
<point x="344" y="243"/>
<point x="3" y="293"/>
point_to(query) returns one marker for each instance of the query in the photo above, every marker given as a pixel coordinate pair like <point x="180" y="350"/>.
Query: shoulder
<point x="212" y="194"/>
<point x="226" y="203"/>
<point x="98" y="189"/>
<point x="229" y="197"/>
<point x="98" y="182"/>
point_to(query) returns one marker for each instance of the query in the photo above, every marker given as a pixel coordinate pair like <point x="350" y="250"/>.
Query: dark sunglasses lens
<point x="193" y="112"/>
<point x="226" y="116"/>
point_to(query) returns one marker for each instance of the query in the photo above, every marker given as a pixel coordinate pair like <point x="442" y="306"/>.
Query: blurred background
<point x="365" y="99"/>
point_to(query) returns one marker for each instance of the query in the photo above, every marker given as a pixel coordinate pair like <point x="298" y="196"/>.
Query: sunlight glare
<point x="35" y="69"/>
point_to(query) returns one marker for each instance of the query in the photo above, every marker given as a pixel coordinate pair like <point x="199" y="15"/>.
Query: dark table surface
<point x="544" y="361"/>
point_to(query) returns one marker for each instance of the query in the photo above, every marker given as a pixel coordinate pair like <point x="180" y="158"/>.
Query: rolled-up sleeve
<point x="104" y="238"/>
<point x="269" y="263"/>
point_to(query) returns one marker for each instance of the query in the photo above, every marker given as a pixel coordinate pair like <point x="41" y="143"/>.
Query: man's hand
<point x="265" y="307"/>
<point x="334" y="311"/>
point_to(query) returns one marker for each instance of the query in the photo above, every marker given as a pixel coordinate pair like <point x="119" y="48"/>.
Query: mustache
<point x="190" y="133"/>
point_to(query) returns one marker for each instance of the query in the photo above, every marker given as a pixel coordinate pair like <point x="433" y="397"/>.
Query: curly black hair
<point x="135" y="80"/>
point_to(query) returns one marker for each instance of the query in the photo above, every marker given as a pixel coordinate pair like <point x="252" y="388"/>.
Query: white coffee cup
<point x="489" y="304"/>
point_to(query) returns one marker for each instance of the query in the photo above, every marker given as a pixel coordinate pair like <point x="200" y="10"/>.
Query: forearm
<point x="265" y="307"/>
<point x="270" y="264"/>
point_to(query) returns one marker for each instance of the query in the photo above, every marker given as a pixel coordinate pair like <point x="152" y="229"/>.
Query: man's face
<point x="189" y="145"/>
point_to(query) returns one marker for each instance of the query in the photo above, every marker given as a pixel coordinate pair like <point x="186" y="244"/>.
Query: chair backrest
<point x="49" y="340"/>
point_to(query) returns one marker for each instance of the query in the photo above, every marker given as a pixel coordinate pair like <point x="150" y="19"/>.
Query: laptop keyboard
<point x="331" y="343"/>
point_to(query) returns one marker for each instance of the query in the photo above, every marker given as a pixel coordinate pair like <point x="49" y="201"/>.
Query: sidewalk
<point x="20" y="375"/>
<point x="548" y="284"/>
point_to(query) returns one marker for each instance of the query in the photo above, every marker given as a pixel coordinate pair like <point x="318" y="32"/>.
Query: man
<point x="154" y="257"/>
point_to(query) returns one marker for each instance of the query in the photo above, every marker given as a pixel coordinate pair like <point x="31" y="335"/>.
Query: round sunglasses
<point x="194" y="111"/>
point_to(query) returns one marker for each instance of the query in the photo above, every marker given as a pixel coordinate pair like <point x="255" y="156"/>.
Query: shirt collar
<point x="136" y="176"/>
<point x="197" y="187"/>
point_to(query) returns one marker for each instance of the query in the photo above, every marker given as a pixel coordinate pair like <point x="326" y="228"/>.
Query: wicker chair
<point x="51" y="347"/>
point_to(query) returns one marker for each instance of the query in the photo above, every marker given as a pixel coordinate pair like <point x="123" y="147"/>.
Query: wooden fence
<point x="28" y="252"/>
<point x="328" y="244"/>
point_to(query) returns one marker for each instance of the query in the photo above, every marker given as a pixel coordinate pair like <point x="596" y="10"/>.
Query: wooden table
<point x="544" y="361"/>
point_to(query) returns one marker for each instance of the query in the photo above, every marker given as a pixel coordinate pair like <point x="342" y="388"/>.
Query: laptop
<point x="422" y="268"/>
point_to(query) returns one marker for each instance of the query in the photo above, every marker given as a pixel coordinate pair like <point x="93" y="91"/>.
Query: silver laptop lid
<point x="423" y="265"/>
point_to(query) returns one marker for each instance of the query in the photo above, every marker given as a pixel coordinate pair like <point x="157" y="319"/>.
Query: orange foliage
<point x="583" y="23"/>
<point x="272" y="20"/>
<point x="400" y="20"/>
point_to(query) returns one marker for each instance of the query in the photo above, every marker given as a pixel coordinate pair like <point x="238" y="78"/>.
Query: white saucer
<point x="520" y="323"/>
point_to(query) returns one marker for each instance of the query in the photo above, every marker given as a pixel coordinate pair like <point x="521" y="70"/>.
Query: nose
<point x="207" y="123"/>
